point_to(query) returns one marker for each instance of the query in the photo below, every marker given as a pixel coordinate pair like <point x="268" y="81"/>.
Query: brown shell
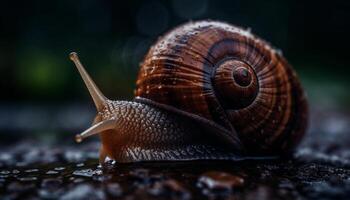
<point x="184" y="70"/>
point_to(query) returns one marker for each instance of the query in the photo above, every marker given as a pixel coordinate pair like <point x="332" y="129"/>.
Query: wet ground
<point x="319" y="169"/>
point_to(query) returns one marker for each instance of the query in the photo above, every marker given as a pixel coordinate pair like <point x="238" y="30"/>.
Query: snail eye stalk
<point x="96" y="94"/>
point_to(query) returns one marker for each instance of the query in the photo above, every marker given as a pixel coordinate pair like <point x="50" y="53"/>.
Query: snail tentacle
<point x="95" y="129"/>
<point x="96" y="94"/>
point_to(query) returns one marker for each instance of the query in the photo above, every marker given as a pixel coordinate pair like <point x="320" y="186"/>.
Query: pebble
<point x="5" y="172"/>
<point x="31" y="170"/>
<point x="77" y="180"/>
<point x="80" y="164"/>
<point x="59" y="168"/>
<point x="51" y="172"/>
<point x="219" y="182"/>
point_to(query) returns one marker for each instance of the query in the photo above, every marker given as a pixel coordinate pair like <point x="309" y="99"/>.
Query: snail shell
<point x="222" y="73"/>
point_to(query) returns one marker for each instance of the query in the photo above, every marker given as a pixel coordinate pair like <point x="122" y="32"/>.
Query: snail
<point x="205" y="90"/>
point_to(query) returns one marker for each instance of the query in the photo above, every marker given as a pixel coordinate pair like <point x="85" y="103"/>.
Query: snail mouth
<point x="96" y="129"/>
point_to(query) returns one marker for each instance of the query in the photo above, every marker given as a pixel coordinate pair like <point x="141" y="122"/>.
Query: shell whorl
<point x="190" y="69"/>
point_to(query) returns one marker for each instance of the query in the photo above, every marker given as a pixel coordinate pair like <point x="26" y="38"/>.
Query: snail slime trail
<point x="205" y="90"/>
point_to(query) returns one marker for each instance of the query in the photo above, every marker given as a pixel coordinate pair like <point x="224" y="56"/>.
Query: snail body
<point x="205" y="90"/>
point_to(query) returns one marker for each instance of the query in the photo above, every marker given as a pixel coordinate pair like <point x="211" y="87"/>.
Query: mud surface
<point x="319" y="169"/>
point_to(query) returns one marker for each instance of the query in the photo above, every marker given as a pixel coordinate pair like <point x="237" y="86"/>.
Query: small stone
<point x="31" y="170"/>
<point x="59" y="168"/>
<point x="5" y="172"/>
<point x="80" y="164"/>
<point x="219" y="182"/>
<point x="77" y="180"/>
<point x="51" y="172"/>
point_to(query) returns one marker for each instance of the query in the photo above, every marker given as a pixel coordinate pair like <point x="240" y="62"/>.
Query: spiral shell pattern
<point x="225" y="74"/>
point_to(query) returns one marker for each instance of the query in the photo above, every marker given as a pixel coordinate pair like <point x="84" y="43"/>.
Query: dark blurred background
<point x="42" y="93"/>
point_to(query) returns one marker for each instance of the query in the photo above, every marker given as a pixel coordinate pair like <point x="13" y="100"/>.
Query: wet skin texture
<point x="145" y="133"/>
